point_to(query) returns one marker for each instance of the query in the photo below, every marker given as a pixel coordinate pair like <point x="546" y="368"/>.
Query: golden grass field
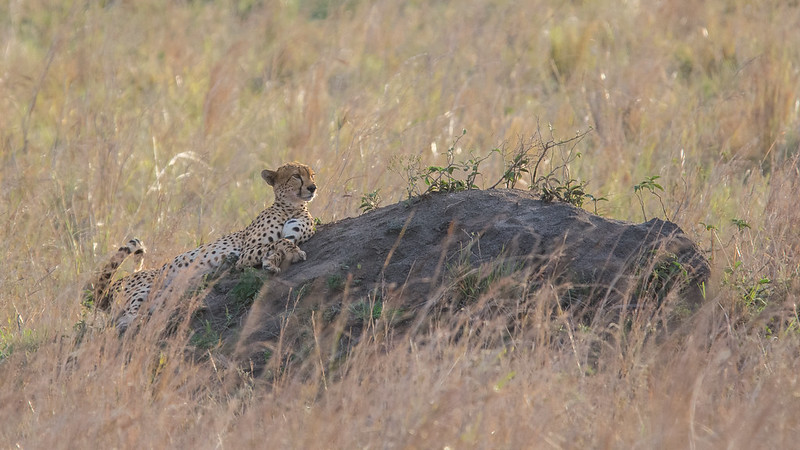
<point x="154" y="119"/>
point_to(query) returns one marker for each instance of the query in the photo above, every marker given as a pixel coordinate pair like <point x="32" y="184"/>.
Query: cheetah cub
<point x="269" y="240"/>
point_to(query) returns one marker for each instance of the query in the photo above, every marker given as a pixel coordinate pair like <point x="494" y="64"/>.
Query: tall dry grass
<point x="154" y="118"/>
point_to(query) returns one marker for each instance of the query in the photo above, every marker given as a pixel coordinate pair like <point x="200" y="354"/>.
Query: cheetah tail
<point x="97" y="290"/>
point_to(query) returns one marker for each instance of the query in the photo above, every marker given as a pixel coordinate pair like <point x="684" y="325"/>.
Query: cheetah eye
<point x="296" y="176"/>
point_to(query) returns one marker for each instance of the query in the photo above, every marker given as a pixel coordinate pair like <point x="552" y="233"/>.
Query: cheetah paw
<point x="299" y="255"/>
<point x="271" y="268"/>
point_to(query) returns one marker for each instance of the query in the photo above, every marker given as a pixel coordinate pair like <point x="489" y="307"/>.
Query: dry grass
<point x="150" y="119"/>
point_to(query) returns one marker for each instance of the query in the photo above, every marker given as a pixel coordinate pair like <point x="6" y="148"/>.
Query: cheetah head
<point x="293" y="182"/>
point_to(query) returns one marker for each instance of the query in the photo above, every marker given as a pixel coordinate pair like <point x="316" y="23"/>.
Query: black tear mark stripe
<point x="300" y="192"/>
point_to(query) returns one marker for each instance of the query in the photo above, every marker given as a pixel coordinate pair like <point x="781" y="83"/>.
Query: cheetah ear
<point x="269" y="176"/>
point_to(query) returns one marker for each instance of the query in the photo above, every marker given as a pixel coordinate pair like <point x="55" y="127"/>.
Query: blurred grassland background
<point x="154" y="119"/>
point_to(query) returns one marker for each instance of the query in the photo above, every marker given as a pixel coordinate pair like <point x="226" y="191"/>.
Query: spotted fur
<point x="267" y="242"/>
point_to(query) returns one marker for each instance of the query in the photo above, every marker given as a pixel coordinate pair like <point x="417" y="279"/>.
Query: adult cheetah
<point x="269" y="240"/>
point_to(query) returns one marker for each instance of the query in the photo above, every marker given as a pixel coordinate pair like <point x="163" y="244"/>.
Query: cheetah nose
<point x="312" y="188"/>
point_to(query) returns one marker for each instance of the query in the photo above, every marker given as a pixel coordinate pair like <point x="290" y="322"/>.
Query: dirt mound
<point x="442" y="253"/>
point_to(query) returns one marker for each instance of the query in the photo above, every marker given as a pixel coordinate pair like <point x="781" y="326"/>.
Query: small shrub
<point x="335" y="282"/>
<point x="205" y="338"/>
<point x="666" y="274"/>
<point x="649" y="184"/>
<point x="250" y="282"/>
<point x="528" y="157"/>
<point x="754" y="291"/>
<point x="571" y="192"/>
<point x="370" y="201"/>
<point x="366" y="310"/>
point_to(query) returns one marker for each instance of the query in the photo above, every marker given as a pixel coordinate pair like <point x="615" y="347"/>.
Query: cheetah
<point x="270" y="239"/>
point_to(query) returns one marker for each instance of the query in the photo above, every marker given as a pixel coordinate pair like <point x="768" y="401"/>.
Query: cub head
<point x="293" y="182"/>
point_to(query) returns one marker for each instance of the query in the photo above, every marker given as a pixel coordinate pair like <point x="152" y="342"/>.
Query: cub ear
<point x="269" y="176"/>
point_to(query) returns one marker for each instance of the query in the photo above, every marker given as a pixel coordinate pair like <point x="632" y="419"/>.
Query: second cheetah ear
<point x="269" y="176"/>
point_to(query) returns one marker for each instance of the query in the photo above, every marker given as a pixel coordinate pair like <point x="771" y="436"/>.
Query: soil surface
<point x="411" y="254"/>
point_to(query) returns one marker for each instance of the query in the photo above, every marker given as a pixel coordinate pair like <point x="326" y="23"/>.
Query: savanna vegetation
<point x="154" y="119"/>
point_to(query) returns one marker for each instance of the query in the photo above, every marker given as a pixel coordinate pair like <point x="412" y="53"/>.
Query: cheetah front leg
<point x="299" y="230"/>
<point x="281" y="251"/>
